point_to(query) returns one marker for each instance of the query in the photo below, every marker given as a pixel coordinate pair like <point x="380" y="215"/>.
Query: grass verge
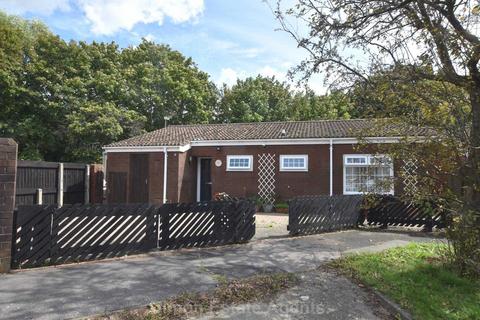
<point x="417" y="277"/>
<point x="227" y="293"/>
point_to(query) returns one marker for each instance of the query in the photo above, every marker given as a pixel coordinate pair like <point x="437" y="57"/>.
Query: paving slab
<point x="93" y="288"/>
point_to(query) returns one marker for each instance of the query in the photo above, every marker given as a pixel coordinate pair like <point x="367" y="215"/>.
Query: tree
<point x="162" y="82"/>
<point x="431" y="44"/>
<point x="433" y="40"/>
<point x="256" y="100"/>
<point x="310" y="106"/>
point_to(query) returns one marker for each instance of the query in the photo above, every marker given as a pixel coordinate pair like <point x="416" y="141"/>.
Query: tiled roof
<point x="178" y="135"/>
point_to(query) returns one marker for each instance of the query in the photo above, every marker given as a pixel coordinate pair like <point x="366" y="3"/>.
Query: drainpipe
<point x="331" y="167"/>
<point x="165" y="160"/>
<point x="104" y="181"/>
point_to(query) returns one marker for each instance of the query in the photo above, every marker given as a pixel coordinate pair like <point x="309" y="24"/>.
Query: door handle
<point x="208" y="182"/>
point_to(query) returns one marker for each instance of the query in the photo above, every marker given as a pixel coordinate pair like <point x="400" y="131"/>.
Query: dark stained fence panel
<point x="32" y="235"/>
<point x="206" y="223"/>
<point x="51" y="235"/>
<point x="310" y="215"/>
<point x="391" y="211"/>
<point x="101" y="231"/>
<point x="73" y="184"/>
<point x="34" y="175"/>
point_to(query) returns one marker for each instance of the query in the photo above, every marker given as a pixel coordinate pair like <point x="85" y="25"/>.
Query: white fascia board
<point x="148" y="149"/>
<point x="271" y="142"/>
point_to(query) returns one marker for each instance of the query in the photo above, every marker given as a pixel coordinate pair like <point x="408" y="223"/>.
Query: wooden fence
<point x="206" y="223"/>
<point x="308" y="215"/>
<point x="40" y="182"/>
<point x="391" y="211"/>
<point x="46" y="234"/>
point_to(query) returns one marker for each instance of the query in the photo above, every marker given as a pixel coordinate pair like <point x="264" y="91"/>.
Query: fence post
<point x="39" y="196"/>
<point x="87" y="184"/>
<point x="8" y="172"/>
<point x="164" y="219"/>
<point x="60" y="185"/>
<point x="292" y="226"/>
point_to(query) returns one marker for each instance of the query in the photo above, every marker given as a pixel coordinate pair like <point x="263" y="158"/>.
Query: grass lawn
<point x="417" y="278"/>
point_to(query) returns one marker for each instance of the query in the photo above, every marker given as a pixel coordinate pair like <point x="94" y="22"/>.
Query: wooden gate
<point x="308" y="215"/>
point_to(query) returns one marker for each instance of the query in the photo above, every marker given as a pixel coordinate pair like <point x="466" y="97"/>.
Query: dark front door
<point x="138" y="190"/>
<point x="205" y="179"/>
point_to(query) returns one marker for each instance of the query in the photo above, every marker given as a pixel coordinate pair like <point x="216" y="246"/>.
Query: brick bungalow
<point x="281" y="160"/>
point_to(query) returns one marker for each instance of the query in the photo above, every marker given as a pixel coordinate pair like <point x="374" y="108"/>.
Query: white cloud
<point x="110" y="16"/>
<point x="268" y="71"/>
<point x="42" y="7"/>
<point x="150" y="37"/>
<point x="229" y="76"/>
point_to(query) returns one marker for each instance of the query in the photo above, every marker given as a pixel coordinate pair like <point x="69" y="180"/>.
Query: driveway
<point x="98" y="287"/>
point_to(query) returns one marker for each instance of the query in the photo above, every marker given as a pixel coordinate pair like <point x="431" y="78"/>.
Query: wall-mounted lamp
<point x="219" y="148"/>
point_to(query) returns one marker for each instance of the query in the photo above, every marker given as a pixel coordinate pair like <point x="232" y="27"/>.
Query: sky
<point x="229" y="39"/>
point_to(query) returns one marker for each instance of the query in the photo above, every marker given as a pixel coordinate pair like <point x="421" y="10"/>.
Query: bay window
<point x="367" y="174"/>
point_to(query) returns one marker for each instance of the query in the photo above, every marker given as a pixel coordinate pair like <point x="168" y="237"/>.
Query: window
<point x="367" y="173"/>
<point x="294" y="162"/>
<point x="239" y="163"/>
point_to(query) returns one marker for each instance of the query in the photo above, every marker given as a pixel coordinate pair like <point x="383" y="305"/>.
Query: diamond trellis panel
<point x="410" y="179"/>
<point x="266" y="177"/>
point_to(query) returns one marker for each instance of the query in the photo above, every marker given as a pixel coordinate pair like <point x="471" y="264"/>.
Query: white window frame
<point x="250" y="162"/>
<point x="369" y="160"/>
<point x="294" y="156"/>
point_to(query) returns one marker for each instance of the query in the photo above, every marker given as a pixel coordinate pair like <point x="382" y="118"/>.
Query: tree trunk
<point x="474" y="154"/>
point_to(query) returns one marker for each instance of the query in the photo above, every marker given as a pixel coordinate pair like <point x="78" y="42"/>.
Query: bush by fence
<point x="308" y="215"/>
<point x="50" y="235"/>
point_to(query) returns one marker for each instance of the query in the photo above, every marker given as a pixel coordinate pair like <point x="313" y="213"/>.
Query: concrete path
<point x="319" y="295"/>
<point x="270" y="225"/>
<point x="92" y="288"/>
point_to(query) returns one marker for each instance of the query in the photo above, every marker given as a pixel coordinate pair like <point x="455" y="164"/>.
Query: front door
<point x="205" y="179"/>
<point x="138" y="190"/>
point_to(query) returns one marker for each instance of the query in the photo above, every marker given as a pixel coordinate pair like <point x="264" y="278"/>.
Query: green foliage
<point x="63" y="101"/>
<point x="267" y="99"/>
<point x="417" y="278"/>
<point x="465" y="243"/>
<point x="255" y="100"/>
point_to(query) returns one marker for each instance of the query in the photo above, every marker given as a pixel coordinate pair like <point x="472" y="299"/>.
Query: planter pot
<point x="268" y="208"/>
<point x="281" y="210"/>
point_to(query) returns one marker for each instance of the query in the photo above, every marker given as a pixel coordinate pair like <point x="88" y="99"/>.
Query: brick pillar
<point x="8" y="171"/>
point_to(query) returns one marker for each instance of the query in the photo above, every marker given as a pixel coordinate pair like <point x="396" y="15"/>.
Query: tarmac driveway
<point x="94" y="288"/>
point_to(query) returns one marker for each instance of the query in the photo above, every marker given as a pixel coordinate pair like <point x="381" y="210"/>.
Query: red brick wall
<point x="8" y="171"/>
<point x="288" y="184"/>
<point x="182" y="171"/>
<point x="181" y="175"/>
